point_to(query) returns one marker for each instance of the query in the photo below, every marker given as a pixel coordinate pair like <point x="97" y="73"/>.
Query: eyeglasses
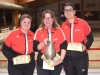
<point x="68" y="10"/>
<point x="49" y="18"/>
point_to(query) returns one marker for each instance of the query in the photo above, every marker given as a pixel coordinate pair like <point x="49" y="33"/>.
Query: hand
<point x="83" y="47"/>
<point x="42" y="44"/>
<point x="57" y="62"/>
<point x="45" y="41"/>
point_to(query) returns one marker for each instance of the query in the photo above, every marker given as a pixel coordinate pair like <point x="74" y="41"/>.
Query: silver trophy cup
<point x="50" y="52"/>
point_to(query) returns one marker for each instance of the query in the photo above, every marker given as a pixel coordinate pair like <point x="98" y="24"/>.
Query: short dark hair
<point x="25" y="16"/>
<point x="70" y="4"/>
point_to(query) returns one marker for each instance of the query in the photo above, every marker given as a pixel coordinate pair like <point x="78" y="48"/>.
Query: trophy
<point x="50" y="52"/>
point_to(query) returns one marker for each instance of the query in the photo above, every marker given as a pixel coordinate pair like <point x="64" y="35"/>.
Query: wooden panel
<point x="24" y="1"/>
<point x="39" y="3"/>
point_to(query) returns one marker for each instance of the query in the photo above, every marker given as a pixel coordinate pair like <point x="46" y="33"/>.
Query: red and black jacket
<point x="57" y="36"/>
<point x="15" y="44"/>
<point x="79" y="32"/>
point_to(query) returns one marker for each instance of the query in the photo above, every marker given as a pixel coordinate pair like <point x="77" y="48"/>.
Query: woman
<point x="49" y="25"/>
<point x="20" y="42"/>
<point x="79" y="37"/>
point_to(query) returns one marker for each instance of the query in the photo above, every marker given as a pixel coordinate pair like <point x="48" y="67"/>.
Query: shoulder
<point x="39" y="30"/>
<point x="12" y="34"/>
<point x="81" y="20"/>
<point x="60" y="32"/>
<point x="83" y="23"/>
<point x="31" y="33"/>
<point x="64" y="23"/>
<point x="59" y="29"/>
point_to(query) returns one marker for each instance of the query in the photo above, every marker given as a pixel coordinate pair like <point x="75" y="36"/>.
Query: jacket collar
<point x="52" y="29"/>
<point x="75" y="21"/>
<point x="21" y="33"/>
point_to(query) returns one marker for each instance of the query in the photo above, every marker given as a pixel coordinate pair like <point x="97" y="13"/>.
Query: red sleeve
<point x="36" y="36"/>
<point x="62" y="36"/>
<point x="87" y="28"/>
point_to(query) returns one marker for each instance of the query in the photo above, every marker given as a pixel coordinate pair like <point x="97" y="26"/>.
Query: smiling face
<point x="48" y="20"/>
<point x="25" y="24"/>
<point x="69" y="12"/>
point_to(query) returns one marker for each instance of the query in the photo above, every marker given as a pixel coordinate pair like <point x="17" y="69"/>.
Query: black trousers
<point x="28" y="70"/>
<point x="76" y="66"/>
<point x="56" y="71"/>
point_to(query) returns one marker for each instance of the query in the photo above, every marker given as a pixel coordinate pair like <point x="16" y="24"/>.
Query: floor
<point x="62" y="73"/>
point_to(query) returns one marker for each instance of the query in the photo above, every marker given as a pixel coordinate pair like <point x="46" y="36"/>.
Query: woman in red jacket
<point x="79" y="37"/>
<point x="49" y="25"/>
<point x="20" y="42"/>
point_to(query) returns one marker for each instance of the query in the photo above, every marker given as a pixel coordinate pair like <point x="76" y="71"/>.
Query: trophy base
<point x="51" y="62"/>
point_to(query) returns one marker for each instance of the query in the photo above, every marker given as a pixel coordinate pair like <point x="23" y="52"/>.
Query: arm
<point x="88" y="35"/>
<point x="6" y="52"/>
<point x="63" y="47"/>
<point x="42" y="44"/>
<point x="38" y="46"/>
<point x="35" y="44"/>
<point x="90" y="40"/>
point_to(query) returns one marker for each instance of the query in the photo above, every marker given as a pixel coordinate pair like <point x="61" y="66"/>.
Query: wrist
<point x="61" y="60"/>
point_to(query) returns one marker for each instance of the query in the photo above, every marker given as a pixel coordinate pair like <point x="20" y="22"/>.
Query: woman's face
<point x="69" y="12"/>
<point x="25" y="24"/>
<point x="48" y="20"/>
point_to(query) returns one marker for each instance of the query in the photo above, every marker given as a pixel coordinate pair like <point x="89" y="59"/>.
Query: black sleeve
<point x="90" y="40"/>
<point x="35" y="44"/>
<point x="64" y="45"/>
<point x="6" y="51"/>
